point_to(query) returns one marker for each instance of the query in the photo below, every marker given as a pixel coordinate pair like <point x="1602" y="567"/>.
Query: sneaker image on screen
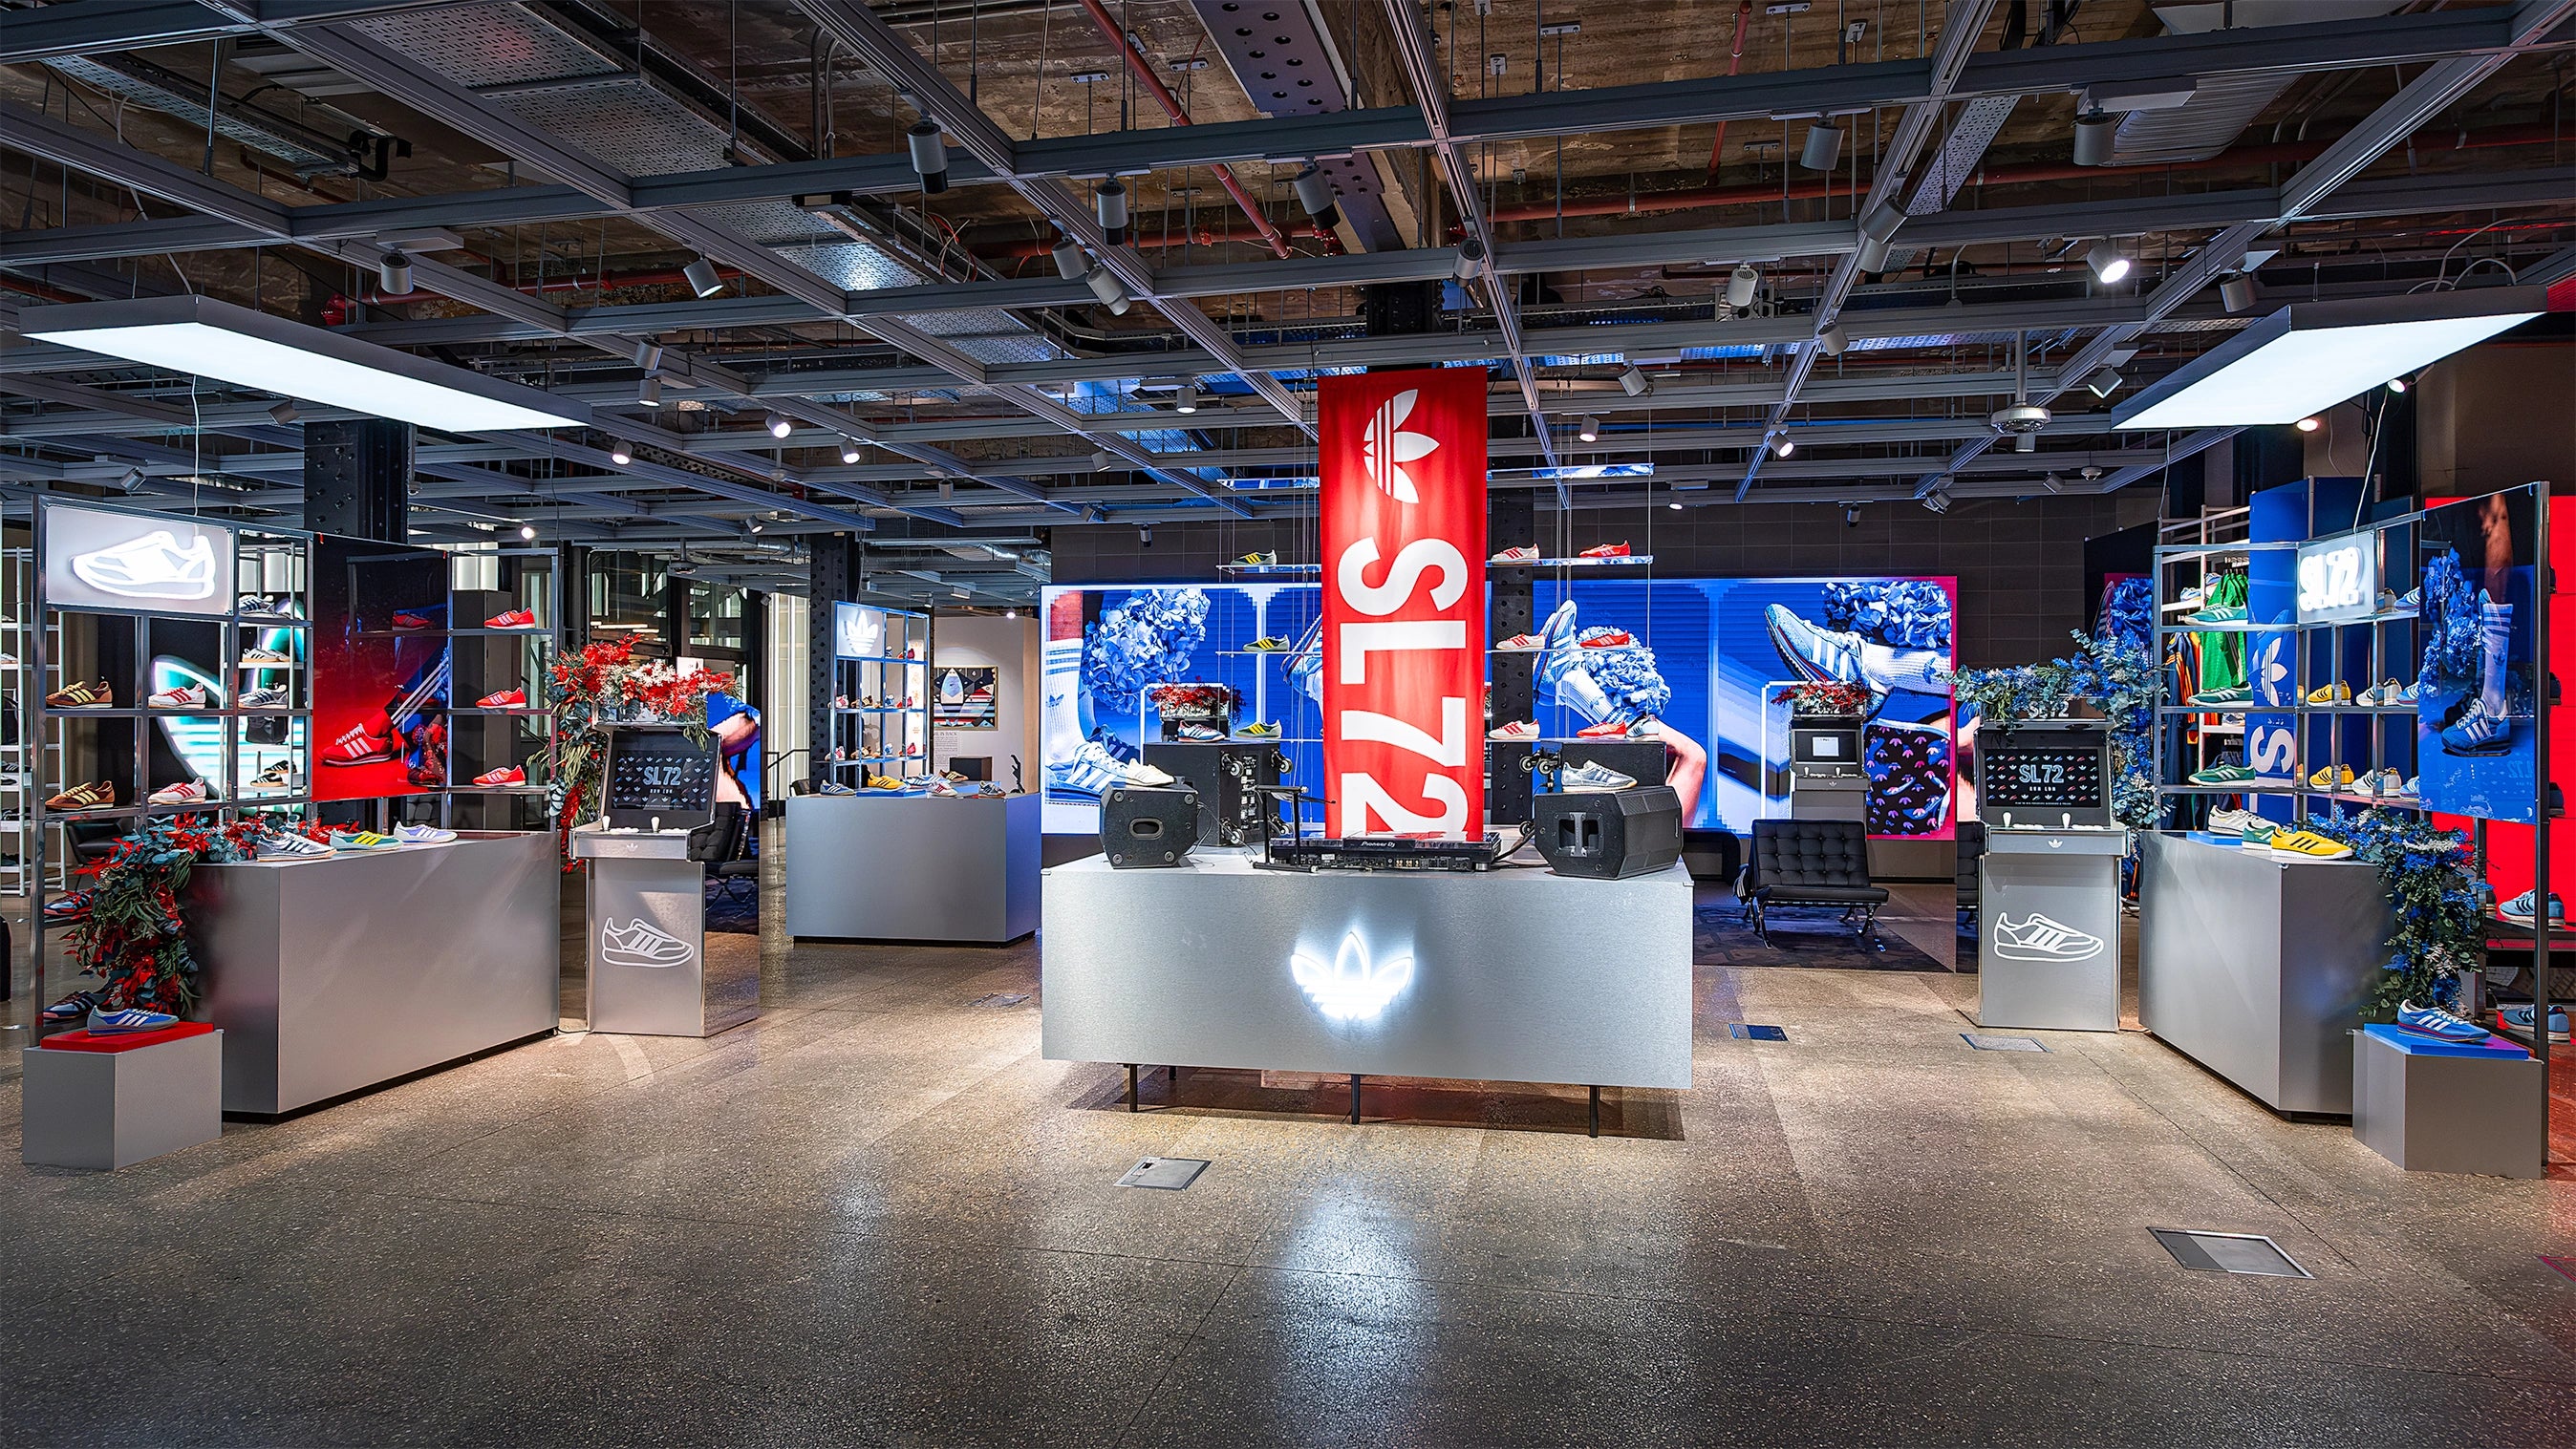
<point x="154" y="566"/>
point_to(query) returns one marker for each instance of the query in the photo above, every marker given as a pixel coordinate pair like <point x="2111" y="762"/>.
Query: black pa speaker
<point x="1148" y="827"/>
<point x="1609" y="834"/>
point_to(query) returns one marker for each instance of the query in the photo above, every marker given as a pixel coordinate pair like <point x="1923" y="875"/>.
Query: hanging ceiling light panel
<point x="2309" y="356"/>
<point x="252" y="349"/>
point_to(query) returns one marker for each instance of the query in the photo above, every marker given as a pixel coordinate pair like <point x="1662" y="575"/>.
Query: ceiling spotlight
<point x="1109" y="203"/>
<point x="849" y="450"/>
<point x="2237" y="293"/>
<point x="2053" y="483"/>
<point x="2307" y="425"/>
<point x="1740" y="284"/>
<point x="648" y="356"/>
<point x="283" y="413"/>
<point x="778" y="425"/>
<point x="1851" y="515"/>
<point x="929" y="155"/>
<point x="1103" y="461"/>
<point x="1188" y="401"/>
<point x="2103" y="381"/>
<point x="1783" y="445"/>
<point x="2094" y="133"/>
<point x="702" y="277"/>
<point x="2026" y="443"/>
<point x="753" y="525"/>
<point x="393" y="274"/>
<point x="1632" y="381"/>
<point x="1112" y="293"/>
<point x="1471" y="259"/>
<point x="1145" y="536"/>
<point x="2105" y="260"/>
<point x="1833" y="339"/>
<point x="131" y="480"/>
<point x="2397" y="384"/>
<point x="648" y="393"/>
<point x="1589" y="430"/>
<point x="620" y="454"/>
<point x="1824" y="145"/>
<point x="1938" y="500"/>
<point x="1316" y="195"/>
<point x="1877" y="229"/>
<point x="1070" y="263"/>
<point x="1010" y="613"/>
<point x="1675" y="505"/>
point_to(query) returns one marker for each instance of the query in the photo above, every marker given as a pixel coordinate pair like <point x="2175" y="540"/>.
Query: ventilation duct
<point x="2223" y="106"/>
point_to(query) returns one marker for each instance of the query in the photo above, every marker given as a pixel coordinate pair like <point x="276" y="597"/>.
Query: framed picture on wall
<point x="965" y="698"/>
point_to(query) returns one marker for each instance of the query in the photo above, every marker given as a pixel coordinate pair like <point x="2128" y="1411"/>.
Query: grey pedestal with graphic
<point x="2258" y="967"/>
<point x="651" y="973"/>
<point x="2048" y="930"/>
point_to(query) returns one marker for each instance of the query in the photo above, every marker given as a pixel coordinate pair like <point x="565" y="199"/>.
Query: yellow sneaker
<point x="1263" y="731"/>
<point x="2335" y="693"/>
<point x="1268" y="644"/>
<point x="2308" y="845"/>
<point x="2332" y="777"/>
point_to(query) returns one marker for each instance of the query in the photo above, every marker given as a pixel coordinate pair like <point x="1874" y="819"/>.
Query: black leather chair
<point x="1821" y="863"/>
<point x="718" y="846"/>
<point x="1972" y="848"/>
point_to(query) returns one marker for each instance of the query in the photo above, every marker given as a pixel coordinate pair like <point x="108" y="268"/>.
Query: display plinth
<point x="328" y="976"/>
<point x="2432" y="1106"/>
<point x="651" y="970"/>
<point x="2258" y="967"/>
<point x="2048" y="930"/>
<point x="108" y="1109"/>
<point x="1508" y="975"/>
<point x="913" y="867"/>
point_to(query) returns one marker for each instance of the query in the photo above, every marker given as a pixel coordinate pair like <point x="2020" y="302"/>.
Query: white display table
<point x="913" y="867"/>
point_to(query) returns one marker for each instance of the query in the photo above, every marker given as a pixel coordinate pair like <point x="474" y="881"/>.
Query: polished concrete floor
<point x="878" y="1216"/>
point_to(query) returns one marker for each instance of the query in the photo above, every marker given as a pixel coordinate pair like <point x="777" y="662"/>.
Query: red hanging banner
<point x="1404" y="601"/>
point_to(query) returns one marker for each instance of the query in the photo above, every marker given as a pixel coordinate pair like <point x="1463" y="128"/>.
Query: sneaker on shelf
<point x="1515" y="556"/>
<point x="906" y="704"/>
<point x="1259" y="559"/>
<point x="1519" y="729"/>
<point x="186" y="696"/>
<point x="2223" y="821"/>
<point x="2217" y="614"/>
<point x="287" y="845"/>
<point x="1591" y="777"/>
<point x="2232" y="697"/>
<point x="2405" y="696"/>
<point x="2520" y="908"/>
<point x="867" y="701"/>
<point x="97" y="796"/>
<point x="265" y="658"/>
<point x="840" y="701"/>
<point x="512" y="619"/>
<point x="103" y="1022"/>
<point x="269" y="697"/>
<point x="2335" y="693"/>
<point x="75" y="1007"/>
<point x="1608" y="639"/>
<point x="2520" y="1018"/>
<point x="884" y="782"/>
<point x="506" y="775"/>
<point x="186" y="792"/>
<point x="2377" y="695"/>
<point x="1265" y="730"/>
<point x="2308" y="845"/>
<point x="279" y="776"/>
<point x="933" y="785"/>
<point x="1140" y="773"/>
<point x="2259" y="832"/>
<point x="2413" y="787"/>
<point x="503" y="699"/>
<point x="833" y="787"/>
<point x="83" y="695"/>
<point x="2386" y="603"/>
<point x="2224" y="775"/>
<point x="1199" y="734"/>
<point x="357" y="747"/>
<point x="2437" y="1023"/>
<point x="8" y="660"/>
<point x="2412" y="599"/>
<point x="2331" y="777"/>
<point x="1612" y="729"/>
<point x="361" y="840"/>
<point x="912" y="751"/>
<point x="2385" y="784"/>
<point x="1268" y="644"/>
<point x="1521" y="644"/>
<point x="2190" y="596"/>
<point x="1605" y="550"/>
<point x="69" y="906"/>
<point x="404" y="621"/>
<point x="262" y="606"/>
<point x="422" y="835"/>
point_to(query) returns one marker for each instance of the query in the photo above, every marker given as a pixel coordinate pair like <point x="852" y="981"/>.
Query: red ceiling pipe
<point x="1734" y="63"/>
<point x="1144" y="74"/>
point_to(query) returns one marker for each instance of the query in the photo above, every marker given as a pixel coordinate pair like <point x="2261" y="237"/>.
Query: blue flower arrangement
<point x="1627" y="673"/>
<point x="1146" y="640"/>
<point x="1904" y="614"/>
<point x="2450" y="627"/>
<point x="2435" y="893"/>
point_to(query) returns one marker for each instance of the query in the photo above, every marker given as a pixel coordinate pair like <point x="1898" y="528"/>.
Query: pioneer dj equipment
<point x="1382" y="852"/>
<point x="1148" y="827"/>
<point x="1229" y="777"/>
<point x="1610" y="834"/>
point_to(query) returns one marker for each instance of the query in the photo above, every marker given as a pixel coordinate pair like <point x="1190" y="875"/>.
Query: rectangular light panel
<point x="252" y="349"/>
<point x="2309" y="356"/>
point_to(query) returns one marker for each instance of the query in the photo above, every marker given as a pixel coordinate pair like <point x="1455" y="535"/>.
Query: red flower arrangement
<point x="1834" y="698"/>
<point x="604" y="685"/>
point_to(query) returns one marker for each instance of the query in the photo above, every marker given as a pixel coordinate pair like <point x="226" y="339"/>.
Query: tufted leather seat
<point x="1812" y="863"/>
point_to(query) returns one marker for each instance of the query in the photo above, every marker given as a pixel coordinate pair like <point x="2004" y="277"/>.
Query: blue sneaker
<point x="103" y="1022"/>
<point x="2478" y="733"/>
<point x="2438" y="1024"/>
<point x="2519" y="1018"/>
<point x="2520" y="909"/>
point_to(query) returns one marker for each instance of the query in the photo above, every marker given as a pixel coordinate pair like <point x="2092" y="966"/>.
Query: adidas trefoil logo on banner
<point x="1386" y="447"/>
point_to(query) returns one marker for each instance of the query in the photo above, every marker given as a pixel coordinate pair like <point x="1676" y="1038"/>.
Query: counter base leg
<point x="1596" y="1111"/>
<point x="1355" y="1099"/>
<point x="1131" y="1086"/>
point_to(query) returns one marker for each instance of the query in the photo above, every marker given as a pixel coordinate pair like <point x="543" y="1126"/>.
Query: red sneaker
<point x="1609" y="729"/>
<point x="511" y="619"/>
<point x="1609" y="639"/>
<point x="358" y="747"/>
<point x="1607" y="550"/>
<point x="404" y="623"/>
<point x="503" y="699"/>
<point x="507" y="775"/>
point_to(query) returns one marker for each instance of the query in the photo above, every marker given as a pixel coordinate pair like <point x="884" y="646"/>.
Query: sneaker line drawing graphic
<point x="2036" y="937"/>
<point x="154" y="566"/>
<point x="640" y="943"/>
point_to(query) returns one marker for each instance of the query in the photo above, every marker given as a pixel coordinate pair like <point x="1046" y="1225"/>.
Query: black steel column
<point x="357" y="479"/>
<point x="832" y="564"/>
<point x="1511" y="521"/>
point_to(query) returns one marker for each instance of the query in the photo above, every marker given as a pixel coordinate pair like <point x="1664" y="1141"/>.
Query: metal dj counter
<point x="1515" y="974"/>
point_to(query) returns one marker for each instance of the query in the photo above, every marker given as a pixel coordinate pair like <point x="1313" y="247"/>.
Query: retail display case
<point x="880" y="694"/>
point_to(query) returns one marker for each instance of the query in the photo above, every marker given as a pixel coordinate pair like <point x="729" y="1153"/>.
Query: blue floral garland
<point x="2435" y="895"/>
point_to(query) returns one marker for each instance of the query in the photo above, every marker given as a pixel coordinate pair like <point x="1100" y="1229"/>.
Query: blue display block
<point x="2494" y="1048"/>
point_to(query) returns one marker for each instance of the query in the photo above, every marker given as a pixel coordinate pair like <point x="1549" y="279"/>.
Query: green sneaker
<point x="2219" y="614"/>
<point x="2260" y="833"/>
<point x="2222" y="698"/>
<point x="2224" y="775"/>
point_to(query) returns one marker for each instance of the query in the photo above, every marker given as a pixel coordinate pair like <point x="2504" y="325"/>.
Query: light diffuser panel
<point x="252" y="349"/>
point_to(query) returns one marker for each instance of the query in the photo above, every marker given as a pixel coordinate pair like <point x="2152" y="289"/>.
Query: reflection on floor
<point x="877" y="1214"/>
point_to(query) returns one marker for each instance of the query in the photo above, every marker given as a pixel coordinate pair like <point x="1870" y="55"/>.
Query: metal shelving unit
<point x="896" y="729"/>
<point x="483" y="661"/>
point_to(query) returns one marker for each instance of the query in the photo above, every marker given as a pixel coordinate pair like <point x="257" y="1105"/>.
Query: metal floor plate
<point x="1165" y="1174"/>
<point x="2229" y="1253"/>
<point x="1742" y="1032"/>
<point x="1000" y="998"/>
<point x="1986" y="1042"/>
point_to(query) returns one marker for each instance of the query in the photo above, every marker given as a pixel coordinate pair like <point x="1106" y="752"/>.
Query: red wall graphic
<point x="1404" y="600"/>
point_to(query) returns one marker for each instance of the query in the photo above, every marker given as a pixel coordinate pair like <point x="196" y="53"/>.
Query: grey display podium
<point x="651" y="970"/>
<point x="2048" y="929"/>
<point x="913" y="867"/>
<point x="105" y="1110"/>
<point x="2258" y="967"/>
<point x="332" y="975"/>
<point x="1509" y="975"/>
<point x="2433" y="1106"/>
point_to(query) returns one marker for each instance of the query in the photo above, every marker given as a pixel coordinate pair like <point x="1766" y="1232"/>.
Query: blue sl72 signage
<point x="2339" y="578"/>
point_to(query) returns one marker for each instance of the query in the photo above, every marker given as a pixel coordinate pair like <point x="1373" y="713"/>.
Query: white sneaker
<point x="1591" y="777"/>
<point x="186" y="792"/>
<point x="1519" y="729"/>
<point x="2231" y="822"/>
<point x="1521" y="644"/>
<point x="286" y="845"/>
<point x="151" y="567"/>
<point x="186" y="696"/>
<point x="1515" y="556"/>
<point x="1140" y="773"/>
<point x="423" y="835"/>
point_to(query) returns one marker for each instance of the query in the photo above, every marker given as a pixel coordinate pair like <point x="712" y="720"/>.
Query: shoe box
<point x="1228" y="776"/>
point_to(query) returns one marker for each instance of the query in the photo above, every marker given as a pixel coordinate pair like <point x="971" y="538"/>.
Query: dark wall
<point x="2020" y="564"/>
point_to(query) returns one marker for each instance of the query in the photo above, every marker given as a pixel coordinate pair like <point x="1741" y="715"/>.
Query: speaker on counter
<point x="1142" y="827"/>
<point x="1610" y="834"/>
<point x="1229" y="778"/>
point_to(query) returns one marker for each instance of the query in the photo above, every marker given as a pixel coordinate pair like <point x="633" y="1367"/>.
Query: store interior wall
<point x="783" y="696"/>
<point x="1010" y="648"/>
<point x="2495" y="416"/>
